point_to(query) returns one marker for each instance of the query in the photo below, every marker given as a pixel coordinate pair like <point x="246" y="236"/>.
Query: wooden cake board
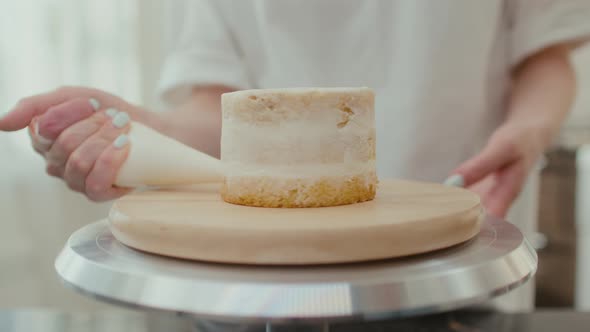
<point x="405" y="218"/>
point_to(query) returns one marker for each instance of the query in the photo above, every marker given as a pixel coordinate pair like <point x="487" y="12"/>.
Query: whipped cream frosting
<point x="301" y="170"/>
<point x="298" y="132"/>
<point x="286" y="128"/>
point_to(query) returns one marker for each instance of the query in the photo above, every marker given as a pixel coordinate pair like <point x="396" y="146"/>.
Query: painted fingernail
<point x="41" y="139"/>
<point x="542" y="163"/>
<point x="121" y="120"/>
<point x="111" y="112"/>
<point x="455" y="180"/>
<point x="95" y="104"/>
<point x="121" y="141"/>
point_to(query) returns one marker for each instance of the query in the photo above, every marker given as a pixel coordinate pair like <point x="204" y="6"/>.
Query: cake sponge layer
<point x="299" y="193"/>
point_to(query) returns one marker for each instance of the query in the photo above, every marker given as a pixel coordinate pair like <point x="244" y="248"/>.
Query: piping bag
<point x="158" y="160"/>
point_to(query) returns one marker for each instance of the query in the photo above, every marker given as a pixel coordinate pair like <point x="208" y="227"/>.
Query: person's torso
<point x="438" y="68"/>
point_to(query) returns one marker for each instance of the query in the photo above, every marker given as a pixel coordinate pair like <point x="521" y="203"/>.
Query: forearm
<point x="542" y="94"/>
<point x="197" y="122"/>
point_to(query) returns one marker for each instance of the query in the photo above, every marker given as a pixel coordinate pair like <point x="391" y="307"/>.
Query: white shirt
<point x="440" y="69"/>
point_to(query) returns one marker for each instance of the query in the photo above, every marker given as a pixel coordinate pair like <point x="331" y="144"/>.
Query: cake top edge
<point x="302" y="90"/>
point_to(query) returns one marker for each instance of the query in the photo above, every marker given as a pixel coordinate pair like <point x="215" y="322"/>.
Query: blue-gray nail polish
<point x="121" y="141"/>
<point x="94" y="103"/>
<point x="111" y="112"/>
<point x="455" y="180"/>
<point x="121" y="120"/>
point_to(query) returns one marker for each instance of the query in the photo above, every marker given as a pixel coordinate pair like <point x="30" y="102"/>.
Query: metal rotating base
<point x="494" y="262"/>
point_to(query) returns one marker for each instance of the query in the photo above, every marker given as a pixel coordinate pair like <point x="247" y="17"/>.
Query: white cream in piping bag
<point x="158" y="160"/>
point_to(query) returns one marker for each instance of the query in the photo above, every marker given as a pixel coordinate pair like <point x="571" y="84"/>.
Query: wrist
<point x="539" y="128"/>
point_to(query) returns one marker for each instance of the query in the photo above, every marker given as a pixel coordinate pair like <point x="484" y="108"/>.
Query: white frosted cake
<point x="299" y="147"/>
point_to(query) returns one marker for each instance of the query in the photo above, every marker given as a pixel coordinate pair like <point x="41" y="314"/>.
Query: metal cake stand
<point x="494" y="262"/>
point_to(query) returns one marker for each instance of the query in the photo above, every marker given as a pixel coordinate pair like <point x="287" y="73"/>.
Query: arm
<point x="197" y="121"/>
<point x="541" y="96"/>
<point x="543" y="93"/>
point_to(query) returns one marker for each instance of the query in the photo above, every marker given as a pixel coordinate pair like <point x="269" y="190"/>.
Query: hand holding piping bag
<point x="82" y="135"/>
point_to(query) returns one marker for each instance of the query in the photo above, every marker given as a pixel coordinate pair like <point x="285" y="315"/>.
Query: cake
<point x="298" y="147"/>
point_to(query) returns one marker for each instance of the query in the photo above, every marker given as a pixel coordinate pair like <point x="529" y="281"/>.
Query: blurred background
<point x="118" y="46"/>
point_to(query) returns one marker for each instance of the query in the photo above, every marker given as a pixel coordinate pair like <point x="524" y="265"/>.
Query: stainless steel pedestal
<point x="494" y="262"/>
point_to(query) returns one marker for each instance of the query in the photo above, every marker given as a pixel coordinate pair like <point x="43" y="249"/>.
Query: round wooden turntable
<point x="405" y="218"/>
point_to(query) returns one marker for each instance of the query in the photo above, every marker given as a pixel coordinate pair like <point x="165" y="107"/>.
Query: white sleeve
<point x="205" y="54"/>
<point x="537" y="24"/>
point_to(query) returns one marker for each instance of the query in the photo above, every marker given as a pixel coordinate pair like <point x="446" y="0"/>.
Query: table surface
<point x="134" y="321"/>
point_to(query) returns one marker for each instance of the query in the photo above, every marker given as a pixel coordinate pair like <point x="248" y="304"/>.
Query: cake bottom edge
<point x="276" y="192"/>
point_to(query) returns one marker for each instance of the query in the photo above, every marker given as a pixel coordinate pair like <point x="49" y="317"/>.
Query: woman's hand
<point x="540" y="99"/>
<point x="499" y="171"/>
<point x="81" y="133"/>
